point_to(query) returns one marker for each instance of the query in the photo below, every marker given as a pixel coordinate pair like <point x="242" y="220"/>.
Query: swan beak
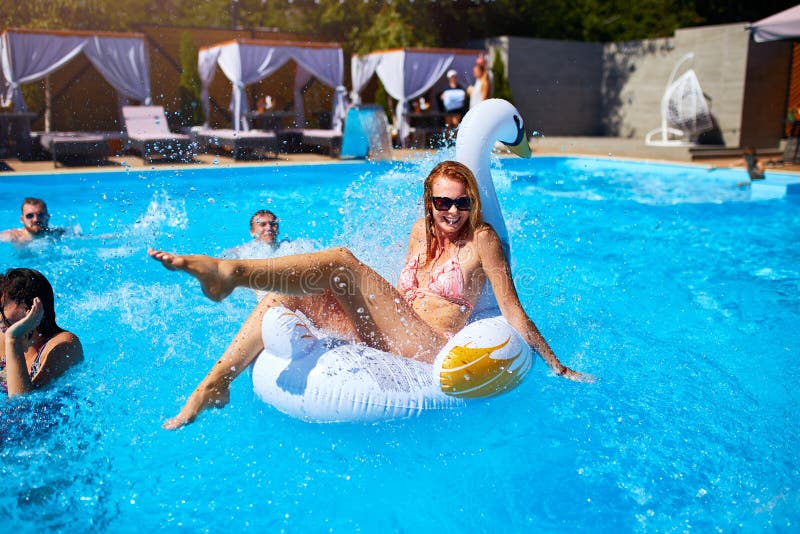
<point x="519" y="146"/>
<point x="521" y="149"/>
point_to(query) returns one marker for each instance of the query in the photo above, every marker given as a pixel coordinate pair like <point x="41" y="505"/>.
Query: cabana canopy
<point x="783" y="25"/>
<point x="29" y="55"/>
<point x="409" y="72"/>
<point x="247" y="61"/>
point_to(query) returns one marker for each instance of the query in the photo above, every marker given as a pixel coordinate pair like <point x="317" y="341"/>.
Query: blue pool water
<point x="676" y="288"/>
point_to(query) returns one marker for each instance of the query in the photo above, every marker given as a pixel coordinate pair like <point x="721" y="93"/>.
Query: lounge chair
<point x="148" y="133"/>
<point x="330" y="141"/>
<point x="76" y="146"/>
<point x="254" y="143"/>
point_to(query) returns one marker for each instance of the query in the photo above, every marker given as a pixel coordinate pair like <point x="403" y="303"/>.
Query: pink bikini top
<point x="447" y="282"/>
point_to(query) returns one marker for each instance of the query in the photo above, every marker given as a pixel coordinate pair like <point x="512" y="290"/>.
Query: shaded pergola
<point x="247" y="61"/>
<point x="27" y="56"/>
<point x="407" y="73"/>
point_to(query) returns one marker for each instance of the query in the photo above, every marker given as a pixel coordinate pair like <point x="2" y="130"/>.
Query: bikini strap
<point x="37" y="361"/>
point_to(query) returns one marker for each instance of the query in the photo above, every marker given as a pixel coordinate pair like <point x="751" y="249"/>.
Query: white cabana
<point x="783" y="25"/>
<point x="247" y="61"/>
<point x="27" y="56"/>
<point x="409" y="72"/>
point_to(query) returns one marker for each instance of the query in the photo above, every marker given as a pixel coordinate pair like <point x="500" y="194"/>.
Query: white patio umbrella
<point x="783" y="25"/>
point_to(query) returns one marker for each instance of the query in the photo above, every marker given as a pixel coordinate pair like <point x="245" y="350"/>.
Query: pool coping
<point x="779" y="183"/>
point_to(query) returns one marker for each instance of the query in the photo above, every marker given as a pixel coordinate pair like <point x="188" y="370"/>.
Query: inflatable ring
<point x="308" y="375"/>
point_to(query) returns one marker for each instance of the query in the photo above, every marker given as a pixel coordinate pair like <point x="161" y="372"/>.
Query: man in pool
<point x="35" y="223"/>
<point x="755" y="167"/>
<point x="264" y="227"/>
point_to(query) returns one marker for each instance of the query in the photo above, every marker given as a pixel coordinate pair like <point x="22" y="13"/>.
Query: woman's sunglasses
<point x="445" y="203"/>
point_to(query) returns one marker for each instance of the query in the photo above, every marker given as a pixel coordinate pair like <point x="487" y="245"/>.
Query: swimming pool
<point x="676" y="288"/>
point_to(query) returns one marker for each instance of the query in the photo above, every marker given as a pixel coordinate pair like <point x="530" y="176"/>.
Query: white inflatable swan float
<point x="309" y="376"/>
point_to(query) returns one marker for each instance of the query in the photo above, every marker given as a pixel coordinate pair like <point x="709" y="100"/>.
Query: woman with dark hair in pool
<point x="36" y="350"/>
<point x="451" y="255"/>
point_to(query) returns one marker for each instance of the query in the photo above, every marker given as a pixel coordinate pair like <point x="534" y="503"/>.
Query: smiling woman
<point x="36" y="349"/>
<point x="452" y="253"/>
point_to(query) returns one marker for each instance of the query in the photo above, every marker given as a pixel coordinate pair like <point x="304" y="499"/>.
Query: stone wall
<point x="565" y="88"/>
<point x="556" y="85"/>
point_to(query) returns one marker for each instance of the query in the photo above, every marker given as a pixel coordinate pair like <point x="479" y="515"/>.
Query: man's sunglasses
<point x="40" y="215"/>
<point x="445" y="203"/>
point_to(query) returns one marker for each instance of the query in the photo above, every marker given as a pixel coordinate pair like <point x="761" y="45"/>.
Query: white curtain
<point x="26" y="57"/>
<point x="301" y="78"/>
<point x="326" y="65"/>
<point x="339" y="108"/>
<point x="123" y="62"/>
<point x="406" y="75"/>
<point x="462" y="64"/>
<point x="361" y="69"/>
<point x="207" y="67"/>
<point x="244" y="64"/>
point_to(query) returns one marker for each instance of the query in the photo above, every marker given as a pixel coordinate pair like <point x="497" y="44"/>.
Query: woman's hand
<point x="22" y="330"/>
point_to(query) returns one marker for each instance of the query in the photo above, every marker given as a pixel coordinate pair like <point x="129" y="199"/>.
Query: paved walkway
<point x="562" y="146"/>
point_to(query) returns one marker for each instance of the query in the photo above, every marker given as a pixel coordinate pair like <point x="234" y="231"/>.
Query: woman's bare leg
<point x="214" y="389"/>
<point x="379" y="314"/>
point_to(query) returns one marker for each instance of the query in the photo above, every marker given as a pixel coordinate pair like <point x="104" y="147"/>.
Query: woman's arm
<point x="416" y="239"/>
<point x="416" y="242"/>
<point x="61" y="352"/>
<point x="16" y="343"/>
<point x="498" y="272"/>
<point x="485" y="87"/>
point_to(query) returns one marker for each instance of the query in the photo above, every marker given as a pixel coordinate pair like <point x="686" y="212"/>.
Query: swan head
<point x="490" y="121"/>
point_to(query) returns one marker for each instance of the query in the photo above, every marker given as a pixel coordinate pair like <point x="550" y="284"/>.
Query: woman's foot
<point x="203" y="397"/>
<point x="205" y="268"/>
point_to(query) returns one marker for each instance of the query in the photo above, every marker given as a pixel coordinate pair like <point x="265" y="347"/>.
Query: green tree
<point x="191" y="110"/>
<point x="501" y="87"/>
